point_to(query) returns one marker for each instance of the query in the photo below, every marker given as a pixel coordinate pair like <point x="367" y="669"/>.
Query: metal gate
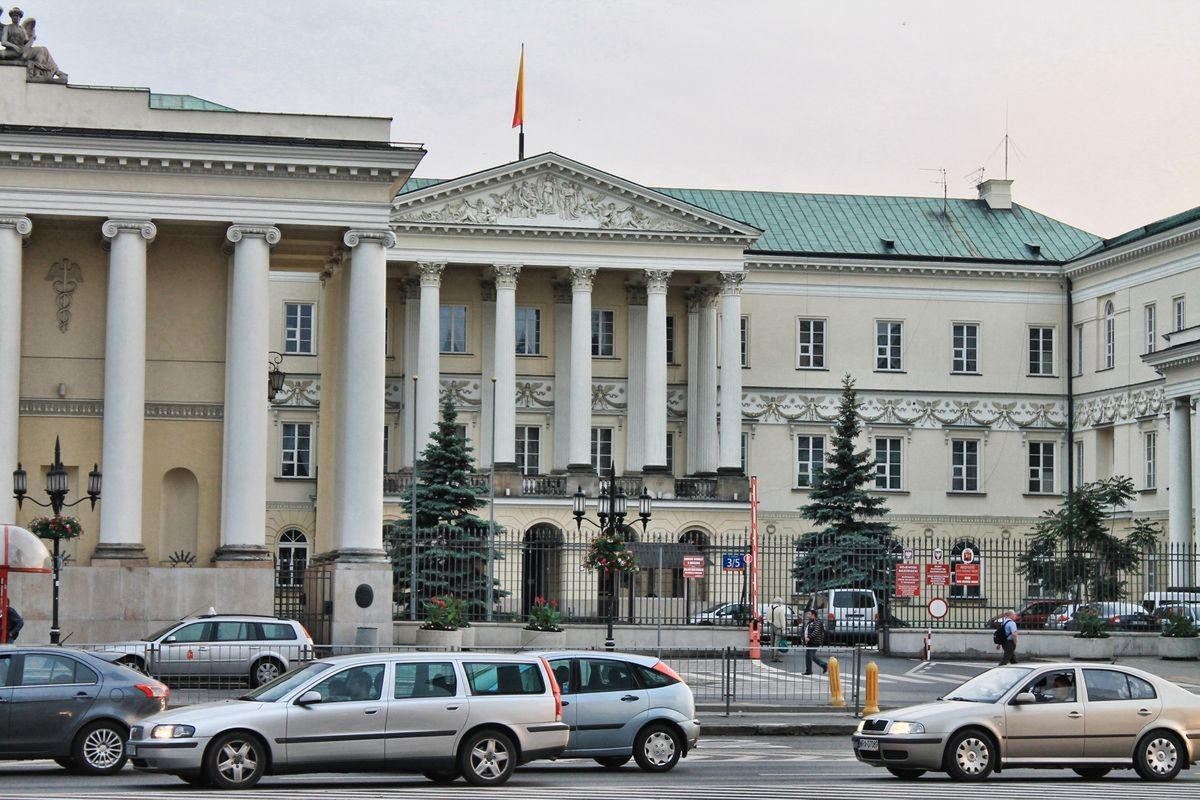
<point x="305" y="595"/>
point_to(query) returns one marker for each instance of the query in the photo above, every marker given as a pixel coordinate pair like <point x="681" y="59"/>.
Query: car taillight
<point x="832" y="618"/>
<point x="1115" y="618"/>
<point x="662" y="668"/>
<point x="153" y="690"/>
<point x="557" y="690"/>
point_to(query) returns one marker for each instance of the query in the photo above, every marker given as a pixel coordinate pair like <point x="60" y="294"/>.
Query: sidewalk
<point x="816" y="721"/>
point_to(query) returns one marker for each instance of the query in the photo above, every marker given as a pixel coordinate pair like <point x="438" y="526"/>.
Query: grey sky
<point x="838" y="96"/>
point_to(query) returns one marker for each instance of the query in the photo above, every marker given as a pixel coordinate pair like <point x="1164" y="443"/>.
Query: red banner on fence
<point x="937" y="574"/>
<point x="908" y="580"/>
<point x="967" y="574"/>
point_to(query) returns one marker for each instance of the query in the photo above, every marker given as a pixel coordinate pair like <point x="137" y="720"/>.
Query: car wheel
<point x="134" y="663"/>
<point x="612" y="762"/>
<point x="442" y="775"/>
<point x="487" y="758"/>
<point x="970" y="756"/>
<point x="264" y="671"/>
<point x="235" y="761"/>
<point x="906" y="773"/>
<point x="99" y="748"/>
<point x="1159" y="756"/>
<point x="657" y="748"/>
<point x="1092" y="773"/>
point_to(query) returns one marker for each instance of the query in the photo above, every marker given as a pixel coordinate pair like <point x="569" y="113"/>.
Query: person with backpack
<point x="814" y="637"/>
<point x="1005" y="636"/>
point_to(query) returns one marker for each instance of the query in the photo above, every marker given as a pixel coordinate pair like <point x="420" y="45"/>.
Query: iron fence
<point x="304" y="594"/>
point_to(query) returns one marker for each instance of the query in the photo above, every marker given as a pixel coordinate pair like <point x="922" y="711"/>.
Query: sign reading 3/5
<point x="734" y="562"/>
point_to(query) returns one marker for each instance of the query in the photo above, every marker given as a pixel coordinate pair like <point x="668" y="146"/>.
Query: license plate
<point x="868" y="744"/>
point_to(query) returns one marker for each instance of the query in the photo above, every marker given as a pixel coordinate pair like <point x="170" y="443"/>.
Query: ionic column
<point x="329" y="342"/>
<point x="13" y="230"/>
<point x="244" y="453"/>
<point x="358" y="534"/>
<point x="412" y="334"/>
<point x="635" y="412"/>
<point x="562" y="373"/>
<point x="429" y="352"/>
<point x="505" y="364"/>
<point x="730" y="461"/>
<point x="124" y="391"/>
<point x="655" y="456"/>
<point x="579" y="450"/>
<point x="702" y="381"/>
<point x="1179" y="509"/>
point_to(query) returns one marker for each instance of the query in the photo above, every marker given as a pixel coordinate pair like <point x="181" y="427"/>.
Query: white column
<point x="124" y="390"/>
<point x="244" y="453"/>
<point x="412" y="334"/>
<point x="12" y="231"/>
<point x="731" y="372"/>
<point x="707" y="454"/>
<point x="487" y="289"/>
<point x="505" y="364"/>
<point x="329" y="341"/>
<point x="358" y="534"/>
<point x="562" y="374"/>
<point x="1179" y="509"/>
<point x="655" y="455"/>
<point x="579" y="450"/>
<point x="694" y="295"/>
<point x="635" y="411"/>
<point x="429" y="352"/>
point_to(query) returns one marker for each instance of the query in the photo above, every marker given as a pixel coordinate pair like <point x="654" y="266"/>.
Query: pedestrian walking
<point x="1008" y="630"/>
<point x="778" y="628"/>
<point x="14" y="624"/>
<point x="814" y="637"/>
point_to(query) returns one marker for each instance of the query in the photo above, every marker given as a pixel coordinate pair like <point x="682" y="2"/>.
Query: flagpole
<point x="521" y="143"/>
<point x="519" y="109"/>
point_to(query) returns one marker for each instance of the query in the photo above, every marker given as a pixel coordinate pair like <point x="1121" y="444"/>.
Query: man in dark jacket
<point x="15" y="623"/>
<point x="814" y="637"/>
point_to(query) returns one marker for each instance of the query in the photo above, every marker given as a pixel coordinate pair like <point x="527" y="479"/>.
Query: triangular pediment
<point x="553" y="192"/>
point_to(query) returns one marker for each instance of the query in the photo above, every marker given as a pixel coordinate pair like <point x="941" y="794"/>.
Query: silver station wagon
<point x="445" y="715"/>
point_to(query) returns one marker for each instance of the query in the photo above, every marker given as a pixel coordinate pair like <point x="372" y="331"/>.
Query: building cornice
<point x="567" y="234"/>
<point x="908" y="267"/>
<point x="1095" y="262"/>
<point x="60" y="407"/>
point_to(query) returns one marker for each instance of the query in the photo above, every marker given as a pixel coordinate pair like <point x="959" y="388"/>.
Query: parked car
<point x="1090" y="719"/>
<point x="220" y="647"/>
<point x="444" y="715"/>
<point x="1164" y="614"/>
<point x="1117" y="616"/>
<point x="622" y="706"/>
<point x="1172" y="597"/>
<point x="1057" y="619"/>
<point x="71" y="706"/>
<point x="849" y="614"/>
<point x="1034" y="614"/>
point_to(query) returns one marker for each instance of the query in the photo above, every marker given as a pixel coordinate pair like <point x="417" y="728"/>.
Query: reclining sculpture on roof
<point x="17" y="46"/>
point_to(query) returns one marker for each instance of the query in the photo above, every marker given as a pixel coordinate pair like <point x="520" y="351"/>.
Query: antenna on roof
<point x="1008" y="144"/>
<point x="976" y="176"/>
<point x="941" y="171"/>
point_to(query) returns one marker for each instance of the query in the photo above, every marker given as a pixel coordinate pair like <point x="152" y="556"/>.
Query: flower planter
<point x="1180" y="647"/>
<point x="1092" y="649"/>
<point x="439" y="640"/>
<point x="543" y="640"/>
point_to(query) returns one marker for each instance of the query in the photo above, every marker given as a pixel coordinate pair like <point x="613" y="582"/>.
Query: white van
<point x="1171" y="597"/>
<point x="849" y="614"/>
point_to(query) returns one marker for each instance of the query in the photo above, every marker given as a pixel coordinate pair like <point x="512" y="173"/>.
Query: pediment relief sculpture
<point x="17" y="46"/>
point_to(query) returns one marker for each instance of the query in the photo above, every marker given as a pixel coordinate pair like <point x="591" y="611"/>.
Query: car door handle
<point x="1074" y="715"/>
<point x="371" y="711"/>
<point x="452" y="708"/>
<point x="566" y="703"/>
<point x="82" y="696"/>
<point x="1144" y="712"/>
<point x="629" y="698"/>
<point x="202" y="649"/>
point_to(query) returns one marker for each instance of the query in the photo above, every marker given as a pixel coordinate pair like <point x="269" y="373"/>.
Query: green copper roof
<point x="185" y="102"/>
<point x="1160" y="226"/>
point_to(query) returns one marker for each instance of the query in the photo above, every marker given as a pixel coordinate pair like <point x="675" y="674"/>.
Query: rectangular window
<point x="454" y="329"/>
<point x="498" y="677"/>
<point x="887" y="463"/>
<point x="670" y="453"/>
<point x="810" y="459"/>
<point x="888" y="335"/>
<point x="745" y="341"/>
<point x="603" y="323"/>
<point x="1078" y="465"/>
<point x="1150" y="451"/>
<point x="1151" y="312"/>
<point x="671" y="341"/>
<point x="529" y="331"/>
<point x="1178" y="312"/>
<point x="298" y="329"/>
<point x="964" y="465"/>
<point x="964" y="348"/>
<point x="425" y="679"/>
<point x="529" y="449"/>
<point x="387" y="441"/>
<point x="296" y="461"/>
<point x="745" y="453"/>
<point x="1078" y="365"/>
<point x="810" y="344"/>
<point x="602" y="450"/>
<point x="1041" y="467"/>
<point x="1041" y="351"/>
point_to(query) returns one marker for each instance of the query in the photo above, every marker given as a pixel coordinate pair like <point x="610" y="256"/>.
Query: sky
<point x="1098" y="97"/>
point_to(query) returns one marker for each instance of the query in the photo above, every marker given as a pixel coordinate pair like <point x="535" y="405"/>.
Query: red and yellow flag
<point x="519" y="109"/>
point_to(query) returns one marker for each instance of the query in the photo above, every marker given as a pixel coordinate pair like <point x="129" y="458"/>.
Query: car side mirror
<point x="1024" y="698"/>
<point x="309" y="698"/>
<point x="169" y="640"/>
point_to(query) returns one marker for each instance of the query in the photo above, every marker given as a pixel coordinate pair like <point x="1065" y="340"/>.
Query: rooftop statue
<point x="17" y="46"/>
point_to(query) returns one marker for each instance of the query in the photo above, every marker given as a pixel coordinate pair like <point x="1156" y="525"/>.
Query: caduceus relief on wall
<point x="66" y="276"/>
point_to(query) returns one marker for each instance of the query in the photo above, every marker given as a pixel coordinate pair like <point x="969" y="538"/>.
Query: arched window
<point x="966" y="569"/>
<point x="1110" y="336"/>
<point x="291" y="557"/>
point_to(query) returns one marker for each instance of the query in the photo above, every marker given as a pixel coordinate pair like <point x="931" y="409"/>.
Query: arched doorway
<point x="291" y="558"/>
<point x="541" y="567"/>
<point x="179" y="513"/>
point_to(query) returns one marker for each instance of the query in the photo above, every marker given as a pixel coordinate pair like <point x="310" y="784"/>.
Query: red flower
<point x="554" y="604"/>
<point x="539" y="601"/>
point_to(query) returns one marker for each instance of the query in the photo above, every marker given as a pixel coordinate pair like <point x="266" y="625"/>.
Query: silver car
<point x="1057" y="619"/>
<point x="620" y="706"/>
<point x="1091" y="719"/>
<point x="445" y="715"/>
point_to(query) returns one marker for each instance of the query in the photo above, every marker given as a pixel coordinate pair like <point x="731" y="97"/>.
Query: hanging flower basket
<point x="56" y="527"/>
<point x="609" y="553"/>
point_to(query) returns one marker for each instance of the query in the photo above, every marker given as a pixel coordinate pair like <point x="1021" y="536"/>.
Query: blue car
<point x="621" y="706"/>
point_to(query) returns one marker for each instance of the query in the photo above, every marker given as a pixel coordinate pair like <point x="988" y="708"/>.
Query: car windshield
<point x="271" y="692"/>
<point x="716" y="608"/>
<point x="158" y="634"/>
<point x="990" y="686"/>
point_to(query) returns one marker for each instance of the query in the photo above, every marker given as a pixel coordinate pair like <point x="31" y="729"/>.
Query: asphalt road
<point x="762" y="767"/>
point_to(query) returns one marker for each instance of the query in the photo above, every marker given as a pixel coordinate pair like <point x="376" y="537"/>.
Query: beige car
<point x="1087" y="718"/>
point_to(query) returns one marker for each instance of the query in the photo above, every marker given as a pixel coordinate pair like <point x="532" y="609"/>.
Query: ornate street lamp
<point x="56" y="489"/>
<point x="612" y="506"/>
<point x="275" y="375"/>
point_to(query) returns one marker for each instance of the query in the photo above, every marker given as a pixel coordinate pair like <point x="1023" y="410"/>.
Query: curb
<point x="778" y="729"/>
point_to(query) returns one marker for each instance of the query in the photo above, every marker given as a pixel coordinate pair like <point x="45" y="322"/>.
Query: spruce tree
<point x="853" y="545"/>
<point x="451" y="547"/>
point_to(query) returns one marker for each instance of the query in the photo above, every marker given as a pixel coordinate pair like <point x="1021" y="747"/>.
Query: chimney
<point x="996" y="193"/>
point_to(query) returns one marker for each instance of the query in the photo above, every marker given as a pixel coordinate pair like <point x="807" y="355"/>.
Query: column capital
<point x="431" y="272"/>
<point x="22" y="225"/>
<point x="487" y="290"/>
<point x="700" y="296"/>
<point x="562" y="292"/>
<point x="657" y="280"/>
<point x="381" y="236"/>
<point x="411" y="287"/>
<point x="731" y="282"/>
<point x="582" y="278"/>
<point x="238" y="231"/>
<point x="635" y="294"/>
<point x="506" y="275"/>
<point x="143" y="227"/>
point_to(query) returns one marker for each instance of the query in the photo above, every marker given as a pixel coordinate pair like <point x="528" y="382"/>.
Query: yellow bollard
<point x="835" y="685"/>
<point x="871" y="706"/>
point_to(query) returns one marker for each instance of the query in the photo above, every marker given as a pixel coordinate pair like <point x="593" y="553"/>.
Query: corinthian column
<point x="579" y="450"/>
<point x="562" y="373"/>
<point x="429" y="352"/>
<point x="124" y="391"/>
<point x="505" y="365"/>
<point x="12" y="231"/>
<point x="731" y="373"/>
<point x="656" y="370"/>
<point x="702" y="381"/>
<point x="635" y="412"/>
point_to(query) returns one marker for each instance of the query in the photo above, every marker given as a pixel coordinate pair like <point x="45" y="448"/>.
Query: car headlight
<point x="172" y="732"/>
<point x="902" y="728"/>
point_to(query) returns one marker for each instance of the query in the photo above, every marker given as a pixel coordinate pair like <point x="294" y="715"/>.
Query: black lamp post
<point x="56" y="489"/>
<point x="611" y="507"/>
<point x="275" y="375"/>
